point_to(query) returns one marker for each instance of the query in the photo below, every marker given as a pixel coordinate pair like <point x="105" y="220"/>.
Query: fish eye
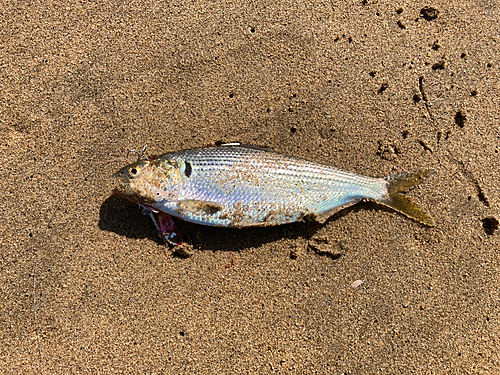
<point x="134" y="171"/>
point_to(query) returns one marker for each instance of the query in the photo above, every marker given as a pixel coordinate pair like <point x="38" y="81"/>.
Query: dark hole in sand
<point x="429" y="13"/>
<point x="383" y="88"/>
<point x="440" y="65"/>
<point x="460" y="119"/>
<point x="490" y="225"/>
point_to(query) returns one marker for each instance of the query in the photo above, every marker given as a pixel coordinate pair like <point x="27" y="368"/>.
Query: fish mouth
<point x="124" y="190"/>
<point x="122" y="185"/>
<point x="127" y="190"/>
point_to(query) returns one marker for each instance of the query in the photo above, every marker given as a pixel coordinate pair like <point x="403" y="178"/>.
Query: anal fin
<point x="323" y="216"/>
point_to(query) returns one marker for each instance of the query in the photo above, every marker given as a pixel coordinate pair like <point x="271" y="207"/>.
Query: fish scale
<point x="242" y="186"/>
<point x="284" y="189"/>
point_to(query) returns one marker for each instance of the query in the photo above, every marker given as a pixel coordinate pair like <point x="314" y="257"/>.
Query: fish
<point x="238" y="186"/>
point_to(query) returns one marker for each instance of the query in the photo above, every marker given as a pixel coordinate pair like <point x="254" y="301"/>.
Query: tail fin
<point x="401" y="183"/>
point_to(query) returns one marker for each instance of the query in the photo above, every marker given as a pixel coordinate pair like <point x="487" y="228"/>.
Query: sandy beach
<point x="371" y="87"/>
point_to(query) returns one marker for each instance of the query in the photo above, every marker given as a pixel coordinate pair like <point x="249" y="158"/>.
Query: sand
<point x="373" y="87"/>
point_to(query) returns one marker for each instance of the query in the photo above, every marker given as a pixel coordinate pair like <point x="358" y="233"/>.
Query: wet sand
<point x="371" y="87"/>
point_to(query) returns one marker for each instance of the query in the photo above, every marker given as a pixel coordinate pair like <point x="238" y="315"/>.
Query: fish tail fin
<point x="401" y="183"/>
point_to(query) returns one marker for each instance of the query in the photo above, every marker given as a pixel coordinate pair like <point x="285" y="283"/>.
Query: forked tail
<point x="401" y="183"/>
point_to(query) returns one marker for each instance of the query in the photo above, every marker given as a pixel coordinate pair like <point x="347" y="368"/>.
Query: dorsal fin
<point x="253" y="147"/>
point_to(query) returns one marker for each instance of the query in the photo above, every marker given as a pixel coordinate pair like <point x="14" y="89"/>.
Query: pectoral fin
<point x="195" y="207"/>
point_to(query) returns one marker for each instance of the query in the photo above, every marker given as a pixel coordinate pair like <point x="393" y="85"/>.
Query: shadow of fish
<point x="242" y="186"/>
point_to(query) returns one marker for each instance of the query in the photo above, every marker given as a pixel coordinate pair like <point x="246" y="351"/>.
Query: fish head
<point x="149" y="182"/>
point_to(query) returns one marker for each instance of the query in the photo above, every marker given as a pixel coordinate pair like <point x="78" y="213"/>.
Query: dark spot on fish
<point x="188" y="169"/>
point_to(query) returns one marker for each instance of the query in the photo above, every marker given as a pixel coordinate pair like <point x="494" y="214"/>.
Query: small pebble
<point x="356" y="283"/>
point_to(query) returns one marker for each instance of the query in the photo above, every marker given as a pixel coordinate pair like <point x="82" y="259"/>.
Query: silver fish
<point x="243" y="186"/>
